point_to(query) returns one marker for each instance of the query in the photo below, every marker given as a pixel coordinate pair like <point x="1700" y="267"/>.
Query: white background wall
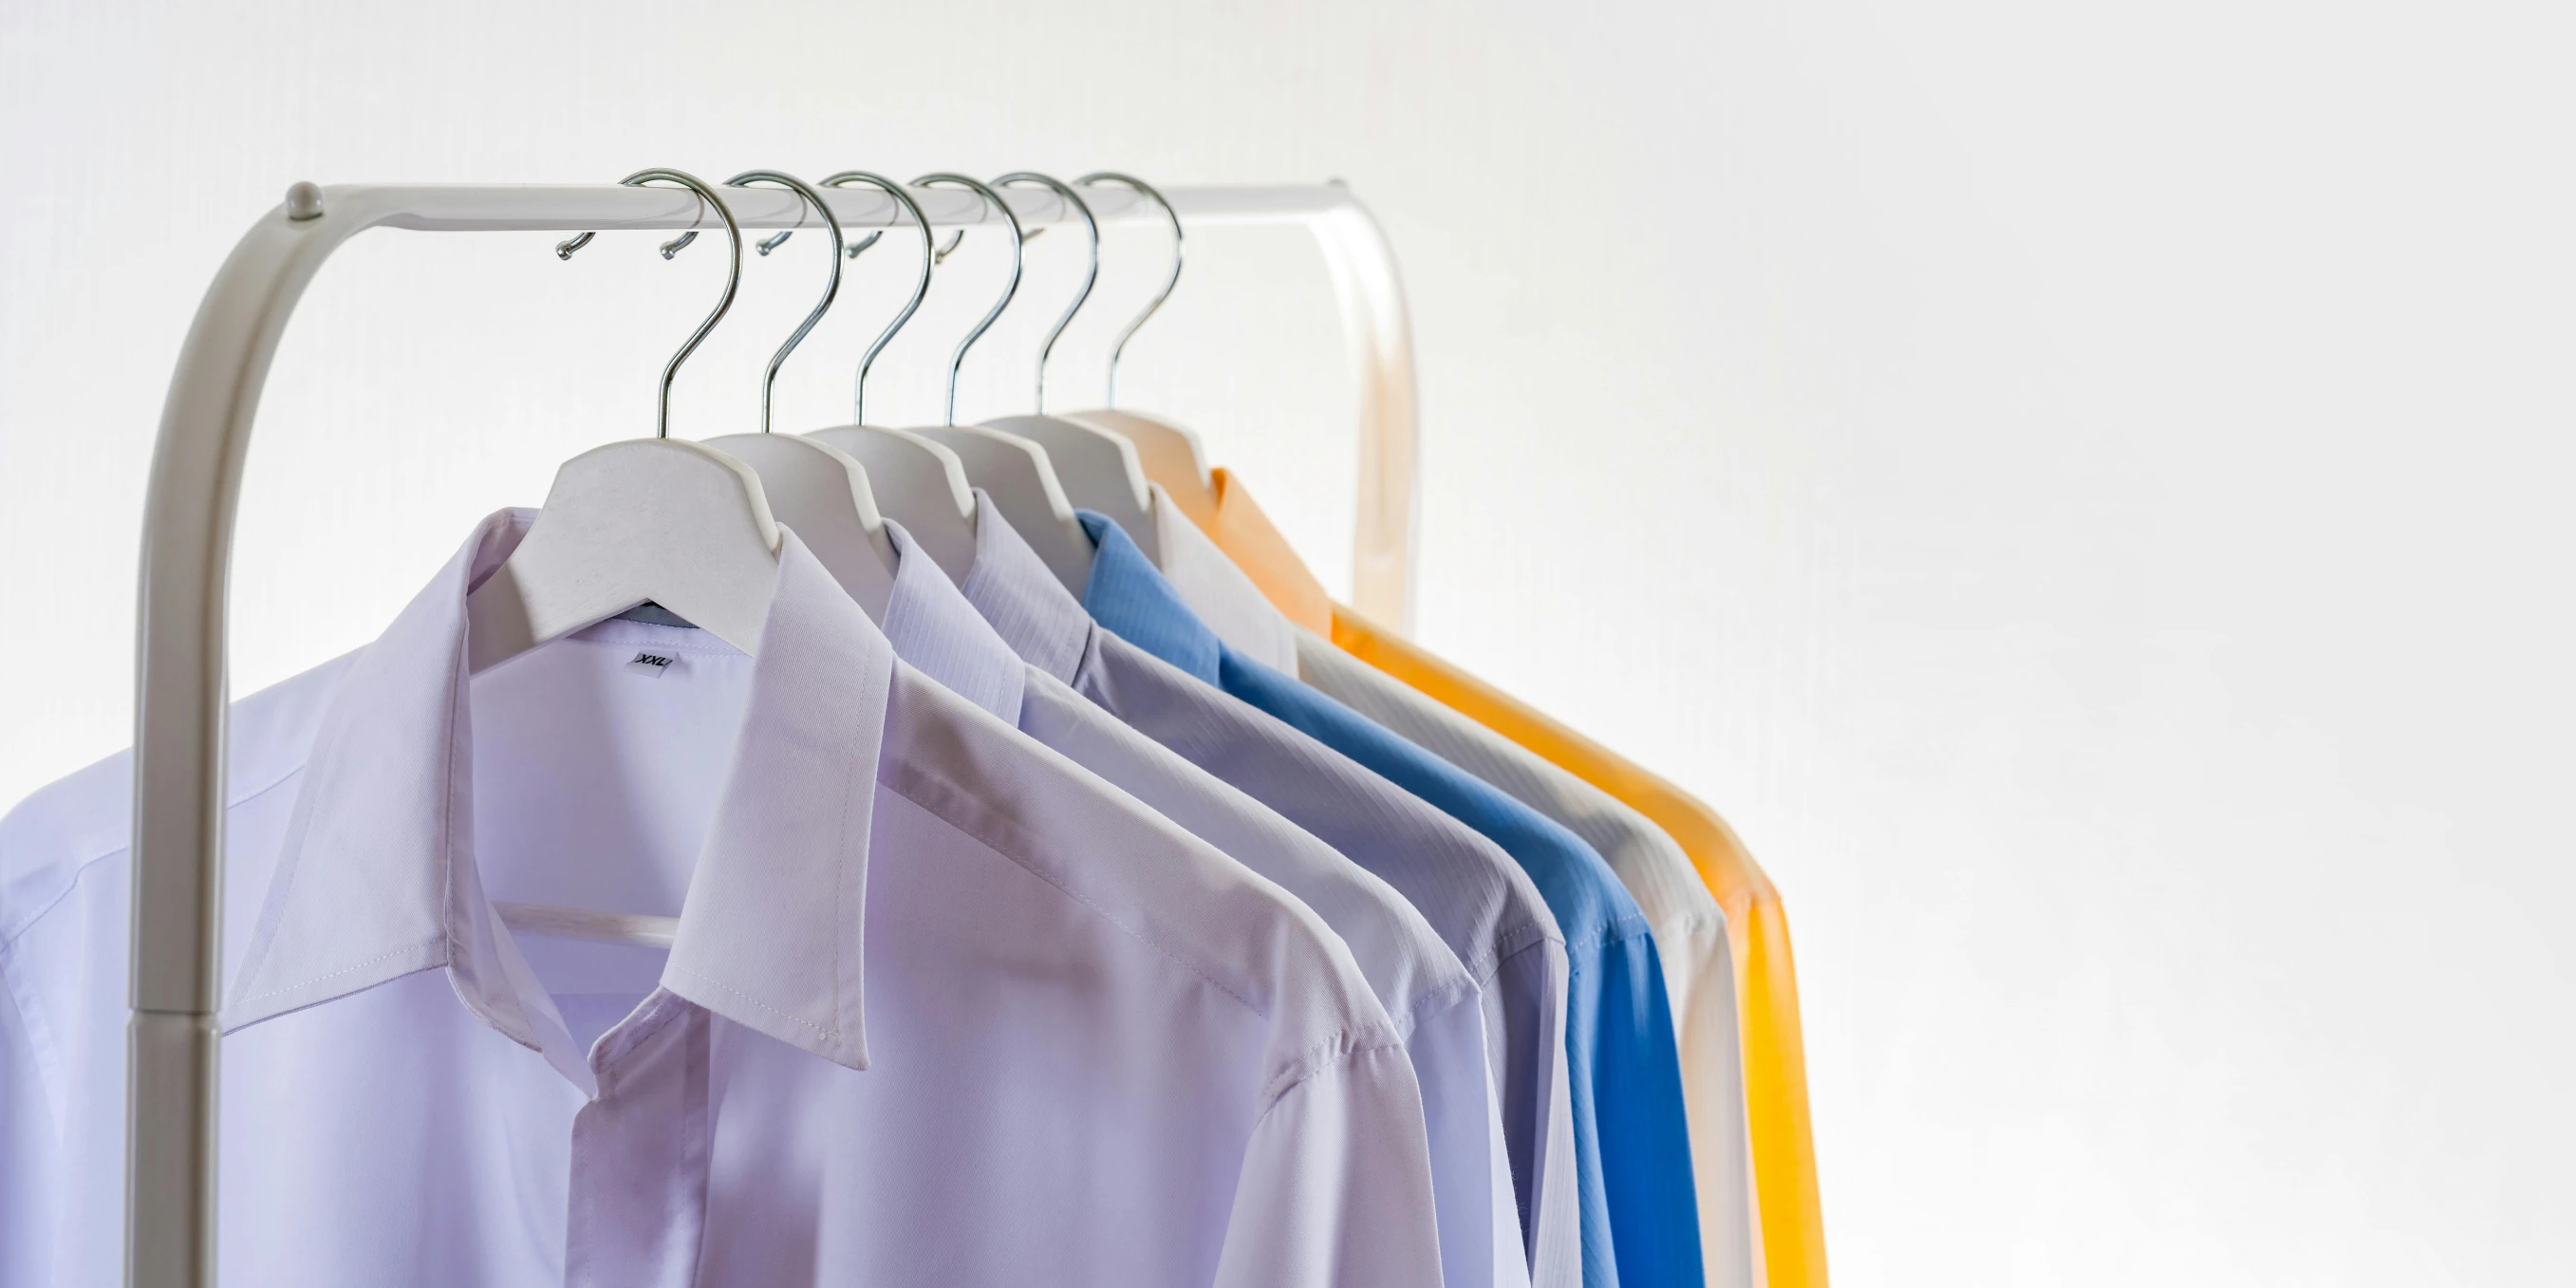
<point x="2083" y="488"/>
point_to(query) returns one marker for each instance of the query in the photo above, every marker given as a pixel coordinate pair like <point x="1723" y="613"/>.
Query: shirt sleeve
<point x="1336" y="1184"/>
<point x="1634" y="1108"/>
<point x="27" y="1144"/>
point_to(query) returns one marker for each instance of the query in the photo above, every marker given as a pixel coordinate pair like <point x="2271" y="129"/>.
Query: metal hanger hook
<point x="733" y="278"/>
<point x="1090" y="276"/>
<point x="1009" y="289"/>
<point x="1118" y="350"/>
<point x="920" y="288"/>
<point x="831" y="288"/>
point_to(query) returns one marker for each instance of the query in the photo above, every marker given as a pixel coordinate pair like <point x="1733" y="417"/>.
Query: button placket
<point x="638" y="1193"/>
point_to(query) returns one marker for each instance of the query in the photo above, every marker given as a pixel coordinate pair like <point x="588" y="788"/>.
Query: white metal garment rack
<point x="180" y="696"/>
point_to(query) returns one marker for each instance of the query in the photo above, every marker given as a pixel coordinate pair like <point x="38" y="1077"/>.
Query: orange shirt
<point x="1788" y="1217"/>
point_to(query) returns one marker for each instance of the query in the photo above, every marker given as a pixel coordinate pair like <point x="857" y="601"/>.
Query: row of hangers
<point x="693" y="527"/>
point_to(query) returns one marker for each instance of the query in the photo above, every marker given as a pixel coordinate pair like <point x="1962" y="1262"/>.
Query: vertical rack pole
<point x="179" y="710"/>
<point x="1380" y="338"/>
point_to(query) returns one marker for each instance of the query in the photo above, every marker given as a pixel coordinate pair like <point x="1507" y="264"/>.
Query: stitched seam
<point x="1698" y="919"/>
<point x="1507" y="943"/>
<point x="637" y="1039"/>
<point x="307" y="983"/>
<point x="1618" y="930"/>
<point x="40" y="1040"/>
<point x="841" y="843"/>
<point x="721" y="986"/>
<point x="1435" y="1001"/>
<point x="1531" y="947"/>
<point x="82" y="868"/>
<point x="1031" y="868"/>
<point x="1628" y="927"/>
<point x="1352" y="1050"/>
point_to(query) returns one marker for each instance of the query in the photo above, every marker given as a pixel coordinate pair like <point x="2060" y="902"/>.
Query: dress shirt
<point x="1689" y="927"/>
<point x="1472" y="895"/>
<point x="1634" y="1189"/>
<point x="1435" y="1004"/>
<point x="1790" y="1219"/>
<point x="1219" y="595"/>
<point x="1789" y="1215"/>
<point x="1094" y="1049"/>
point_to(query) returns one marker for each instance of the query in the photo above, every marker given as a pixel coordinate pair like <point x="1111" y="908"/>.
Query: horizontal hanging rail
<point x="172" y="1106"/>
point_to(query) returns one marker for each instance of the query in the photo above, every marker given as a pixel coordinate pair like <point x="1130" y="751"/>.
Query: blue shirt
<point x="1637" y="1204"/>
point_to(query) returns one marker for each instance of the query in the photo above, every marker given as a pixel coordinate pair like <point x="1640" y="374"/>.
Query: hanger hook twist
<point x="733" y="278"/>
<point x="1009" y="289"/>
<point x="1090" y="276"/>
<point x="920" y="288"/>
<point x="1118" y="350"/>
<point x="831" y="288"/>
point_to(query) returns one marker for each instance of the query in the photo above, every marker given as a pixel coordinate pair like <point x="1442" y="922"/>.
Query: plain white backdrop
<point x="2082" y="488"/>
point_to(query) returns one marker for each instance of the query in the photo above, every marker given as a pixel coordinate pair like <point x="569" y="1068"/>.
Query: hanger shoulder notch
<point x="1020" y="478"/>
<point x="1097" y="469"/>
<point x="825" y="497"/>
<point x="919" y="484"/>
<point x="663" y="520"/>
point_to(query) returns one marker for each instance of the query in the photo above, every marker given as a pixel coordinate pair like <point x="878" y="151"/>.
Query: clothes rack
<point x="180" y="686"/>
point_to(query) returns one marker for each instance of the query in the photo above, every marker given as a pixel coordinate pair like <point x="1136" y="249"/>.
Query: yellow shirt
<point x="1788" y="1216"/>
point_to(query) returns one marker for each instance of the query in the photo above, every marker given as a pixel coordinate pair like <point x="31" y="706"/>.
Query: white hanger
<point x="925" y="484"/>
<point x="817" y="490"/>
<point x="1166" y="453"/>
<point x="658" y="520"/>
<point x="917" y="482"/>
<point x="1097" y="470"/>
<point x="650" y="519"/>
<point x="1015" y="472"/>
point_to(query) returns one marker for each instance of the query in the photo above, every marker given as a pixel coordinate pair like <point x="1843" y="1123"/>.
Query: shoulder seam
<point x="1323" y="1057"/>
<point x="82" y="868"/>
<point x="901" y="788"/>
<point x="1433" y="1001"/>
<point x="1537" y="942"/>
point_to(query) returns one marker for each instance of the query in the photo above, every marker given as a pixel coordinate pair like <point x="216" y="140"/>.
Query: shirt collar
<point x="1253" y="543"/>
<point x="1133" y="600"/>
<point x="934" y="628"/>
<point x="376" y="876"/>
<point x="1021" y="600"/>
<point x="1218" y="592"/>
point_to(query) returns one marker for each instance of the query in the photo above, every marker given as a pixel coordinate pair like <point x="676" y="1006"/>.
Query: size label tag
<point x="653" y="664"/>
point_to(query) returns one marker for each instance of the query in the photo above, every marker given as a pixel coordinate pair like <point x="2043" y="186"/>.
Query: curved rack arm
<point x="172" y="1040"/>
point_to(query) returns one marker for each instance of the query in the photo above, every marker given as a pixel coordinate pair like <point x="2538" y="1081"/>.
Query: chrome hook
<point x="920" y="289"/>
<point x="831" y="288"/>
<point x="733" y="281"/>
<point x="1090" y="276"/>
<point x="958" y="359"/>
<point x="1118" y="350"/>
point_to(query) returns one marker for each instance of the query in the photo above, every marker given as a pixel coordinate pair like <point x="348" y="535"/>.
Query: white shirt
<point x="1221" y="595"/>
<point x="1428" y="993"/>
<point x="1689" y="929"/>
<point x="943" y="1007"/>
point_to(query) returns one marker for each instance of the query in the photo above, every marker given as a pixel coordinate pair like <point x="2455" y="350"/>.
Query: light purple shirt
<point x="1427" y="992"/>
<point x="942" y="1006"/>
<point x="1466" y="887"/>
